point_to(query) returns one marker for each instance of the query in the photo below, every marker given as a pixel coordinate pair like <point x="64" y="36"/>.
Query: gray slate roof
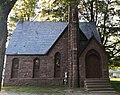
<point x="89" y="29"/>
<point x="38" y="37"/>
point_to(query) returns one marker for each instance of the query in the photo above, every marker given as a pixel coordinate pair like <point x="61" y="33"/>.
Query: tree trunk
<point x="5" y="8"/>
<point x="3" y="38"/>
<point x="91" y="10"/>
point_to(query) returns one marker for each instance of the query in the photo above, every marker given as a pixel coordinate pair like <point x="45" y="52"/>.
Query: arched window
<point x="93" y="64"/>
<point x="36" y="67"/>
<point x="57" y="64"/>
<point x="15" y="67"/>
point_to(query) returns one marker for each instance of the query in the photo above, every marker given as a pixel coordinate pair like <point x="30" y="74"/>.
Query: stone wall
<point x="46" y="76"/>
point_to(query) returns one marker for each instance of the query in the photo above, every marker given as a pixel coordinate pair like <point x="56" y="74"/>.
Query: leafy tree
<point x="24" y="9"/>
<point x="5" y="8"/>
<point x="53" y="10"/>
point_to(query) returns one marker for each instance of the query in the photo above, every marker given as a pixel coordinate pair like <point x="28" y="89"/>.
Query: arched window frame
<point x="36" y="67"/>
<point x="57" y="65"/>
<point x="15" y="68"/>
<point x="94" y="52"/>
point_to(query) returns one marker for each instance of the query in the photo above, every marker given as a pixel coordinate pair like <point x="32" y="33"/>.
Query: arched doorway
<point x="93" y="65"/>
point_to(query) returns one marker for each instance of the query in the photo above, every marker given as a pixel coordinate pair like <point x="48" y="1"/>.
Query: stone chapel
<point x="55" y="53"/>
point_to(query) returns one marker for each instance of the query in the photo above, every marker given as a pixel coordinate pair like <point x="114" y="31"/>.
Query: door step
<point x="103" y="92"/>
<point x="98" y="85"/>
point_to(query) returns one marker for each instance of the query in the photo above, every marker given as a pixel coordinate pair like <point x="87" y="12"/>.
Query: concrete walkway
<point x="68" y="93"/>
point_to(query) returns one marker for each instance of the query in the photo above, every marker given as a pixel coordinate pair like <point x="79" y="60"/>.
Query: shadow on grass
<point x="56" y="90"/>
<point x="33" y="89"/>
<point x="116" y="85"/>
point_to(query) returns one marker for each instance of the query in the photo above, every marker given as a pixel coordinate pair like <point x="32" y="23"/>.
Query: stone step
<point x="100" y="89"/>
<point x="97" y="83"/>
<point x="98" y="86"/>
<point x="111" y="91"/>
<point x="96" y="80"/>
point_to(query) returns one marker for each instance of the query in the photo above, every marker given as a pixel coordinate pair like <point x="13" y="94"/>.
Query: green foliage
<point x="35" y="89"/>
<point x="72" y="1"/>
<point x="53" y="10"/>
<point x="115" y="82"/>
<point x="24" y="9"/>
<point x="51" y="90"/>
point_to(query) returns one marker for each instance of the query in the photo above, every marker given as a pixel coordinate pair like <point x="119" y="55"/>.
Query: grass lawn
<point x="34" y="89"/>
<point x="37" y="89"/>
<point x="56" y="90"/>
<point x="115" y="82"/>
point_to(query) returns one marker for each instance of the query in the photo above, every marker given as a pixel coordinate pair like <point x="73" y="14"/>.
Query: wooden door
<point x="93" y="65"/>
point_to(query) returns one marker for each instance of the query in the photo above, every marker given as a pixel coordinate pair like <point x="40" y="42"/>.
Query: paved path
<point x="69" y="93"/>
